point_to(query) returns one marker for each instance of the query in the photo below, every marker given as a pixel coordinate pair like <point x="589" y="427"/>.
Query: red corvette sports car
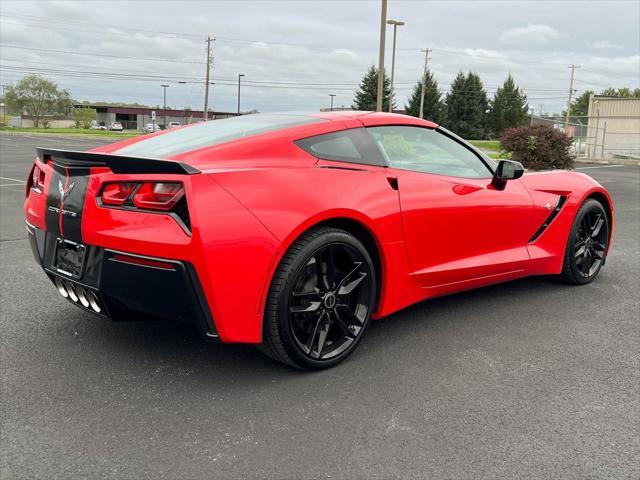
<point x="293" y="231"/>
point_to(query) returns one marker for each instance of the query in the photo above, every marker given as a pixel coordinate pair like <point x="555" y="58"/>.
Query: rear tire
<point x="587" y="244"/>
<point x="320" y="300"/>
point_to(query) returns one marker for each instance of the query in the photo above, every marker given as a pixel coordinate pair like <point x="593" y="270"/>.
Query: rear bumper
<point x="128" y="286"/>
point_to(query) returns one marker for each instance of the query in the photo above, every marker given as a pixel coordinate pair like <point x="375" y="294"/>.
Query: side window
<point x="427" y="150"/>
<point x="353" y="146"/>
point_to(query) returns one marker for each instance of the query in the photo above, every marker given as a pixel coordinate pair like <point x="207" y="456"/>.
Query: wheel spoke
<point x="312" y="337"/>
<point x="347" y="314"/>
<point x="330" y="267"/>
<point x="346" y="277"/>
<point x="600" y="246"/>
<point x="345" y="328"/>
<point x="586" y="263"/>
<point x="322" y="336"/>
<point x="321" y="272"/>
<point x="312" y="307"/>
<point x="595" y="254"/>
<point x="597" y="227"/>
<point x="349" y="287"/>
<point x="580" y="251"/>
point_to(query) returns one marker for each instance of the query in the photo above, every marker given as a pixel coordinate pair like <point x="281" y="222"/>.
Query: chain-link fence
<point x="598" y="137"/>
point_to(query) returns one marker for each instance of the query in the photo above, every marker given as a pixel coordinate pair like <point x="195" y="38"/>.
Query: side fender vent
<point x="554" y="213"/>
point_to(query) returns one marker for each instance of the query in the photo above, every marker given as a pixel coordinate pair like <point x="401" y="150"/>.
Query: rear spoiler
<point x="117" y="163"/>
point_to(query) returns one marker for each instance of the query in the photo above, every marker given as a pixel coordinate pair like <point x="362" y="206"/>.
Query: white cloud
<point x="605" y="45"/>
<point x="531" y="35"/>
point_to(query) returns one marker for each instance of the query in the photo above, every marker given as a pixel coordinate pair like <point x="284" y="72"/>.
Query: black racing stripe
<point x="65" y="202"/>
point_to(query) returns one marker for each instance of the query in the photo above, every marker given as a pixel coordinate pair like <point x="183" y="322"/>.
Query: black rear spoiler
<point x="117" y="163"/>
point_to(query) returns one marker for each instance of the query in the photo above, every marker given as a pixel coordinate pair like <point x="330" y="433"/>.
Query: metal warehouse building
<point x="135" y="118"/>
<point x="614" y="127"/>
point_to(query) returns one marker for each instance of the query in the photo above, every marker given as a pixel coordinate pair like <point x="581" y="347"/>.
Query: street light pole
<point x="239" y="77"/>
<point x="395" y="24"/>
<point x="164" y="103"/>
<point x="383" y="21"/>
<point x="331" y="107"/>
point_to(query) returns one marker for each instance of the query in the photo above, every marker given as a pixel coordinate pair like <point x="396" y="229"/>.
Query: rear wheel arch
<point x="368" y="239"/>
<point x="350" y="225"/>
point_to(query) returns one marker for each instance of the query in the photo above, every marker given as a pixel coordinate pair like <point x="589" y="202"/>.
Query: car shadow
<point x="177" y="347"/>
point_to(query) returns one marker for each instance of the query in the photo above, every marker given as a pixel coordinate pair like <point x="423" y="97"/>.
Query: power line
<point x="98" y="54"/>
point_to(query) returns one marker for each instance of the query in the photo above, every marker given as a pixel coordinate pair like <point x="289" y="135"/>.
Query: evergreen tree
<point x="434" y="108"/>
<point x="467" y="106"/>
<point x="508" y="108"/>
<point x="367" y="94"/>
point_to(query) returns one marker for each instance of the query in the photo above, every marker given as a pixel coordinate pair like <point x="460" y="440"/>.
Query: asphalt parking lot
<point x="529" y="379"/>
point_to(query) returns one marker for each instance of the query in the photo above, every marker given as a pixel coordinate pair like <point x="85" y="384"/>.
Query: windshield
<point x="213" y="132"/>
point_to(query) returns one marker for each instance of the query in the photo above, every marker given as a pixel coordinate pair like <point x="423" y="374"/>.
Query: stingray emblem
<point x="64" y="193"/>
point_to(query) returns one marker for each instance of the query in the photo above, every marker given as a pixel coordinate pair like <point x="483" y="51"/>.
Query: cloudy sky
<point x="295" y="53"/>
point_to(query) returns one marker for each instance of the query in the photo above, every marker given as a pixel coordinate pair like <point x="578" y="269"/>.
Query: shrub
<point x="83" y="117"/>
<point x="538" y="147"/>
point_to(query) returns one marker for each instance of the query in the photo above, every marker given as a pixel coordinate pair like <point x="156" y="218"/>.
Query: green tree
<point x="84" y="116"/>
<point x="467" y="106"/>
<point x="434" y="108"/>
<point x="580" y="105"/>
<point x="509" y="107"/>
<point x="620" y="92"/>
<point x="38" y="97"/>
<point x="367" y="94"/>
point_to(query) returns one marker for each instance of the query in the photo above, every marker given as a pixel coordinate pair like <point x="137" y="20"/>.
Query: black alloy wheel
<point x="320" y="301"/>
<point x="587" y="245"/>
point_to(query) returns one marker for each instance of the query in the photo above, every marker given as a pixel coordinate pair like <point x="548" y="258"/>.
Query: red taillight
<point x="146" y="196"/>
<point x="158" y="196"/>
<point x="117" y="193"/>
<point x="37" y="179"/>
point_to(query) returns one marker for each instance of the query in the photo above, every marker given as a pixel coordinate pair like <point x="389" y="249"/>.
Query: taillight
<point x="37" y="179"/>
<point x="117" y="193"/>
<point x="158" y="196"/>
<point x="145" y="196"/>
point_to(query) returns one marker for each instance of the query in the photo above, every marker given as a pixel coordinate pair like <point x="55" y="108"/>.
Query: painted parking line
<point x="13" y="180"/>
<point x="599" y="166"/>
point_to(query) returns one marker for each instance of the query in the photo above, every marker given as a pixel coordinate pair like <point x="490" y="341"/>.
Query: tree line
<point x="466" y="109"/>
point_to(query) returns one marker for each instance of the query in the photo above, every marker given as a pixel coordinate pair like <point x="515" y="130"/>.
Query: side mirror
<point x="507" y="170"/>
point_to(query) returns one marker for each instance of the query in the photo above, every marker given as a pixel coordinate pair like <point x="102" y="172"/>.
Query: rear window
<point x="213" y="132"/>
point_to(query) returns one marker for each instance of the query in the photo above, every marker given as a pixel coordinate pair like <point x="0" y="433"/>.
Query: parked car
<point x="293" y="231"/>
<point x="116" y="127"/>
<point x="97" y="126"/>
<point x="173" y="124"/>
<point x="151" y="127"/>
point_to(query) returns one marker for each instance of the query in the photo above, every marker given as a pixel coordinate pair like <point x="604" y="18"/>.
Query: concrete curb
<point x="627" y="162"/>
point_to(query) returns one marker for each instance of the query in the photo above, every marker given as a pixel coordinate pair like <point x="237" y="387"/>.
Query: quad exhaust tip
<point x="78" y="294"/>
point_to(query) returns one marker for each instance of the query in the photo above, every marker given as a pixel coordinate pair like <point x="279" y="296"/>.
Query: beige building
<point x="614" y="128"/>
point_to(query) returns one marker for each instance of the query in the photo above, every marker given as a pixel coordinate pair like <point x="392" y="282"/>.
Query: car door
<point x="457" y="227"/>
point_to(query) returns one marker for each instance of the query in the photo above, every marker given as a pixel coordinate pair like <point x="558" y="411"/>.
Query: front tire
<point x="587" y="245"/>
<point x="320" y="300"/>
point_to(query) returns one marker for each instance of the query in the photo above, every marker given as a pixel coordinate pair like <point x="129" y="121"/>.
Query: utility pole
<point x="331" y="107"/>
<point x="164" y="103"/>
<point x="566" y="119"/>
<point x="395" y="24"/>
<point x="383" y="28"/>
<point x="239" y="77"/>
<point x="206" y="82"/>
<point x="424" y="79"/>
